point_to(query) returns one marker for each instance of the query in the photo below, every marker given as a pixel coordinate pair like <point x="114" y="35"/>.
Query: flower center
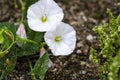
<point x="57" y="39"/>
<point x="44" y="18"/>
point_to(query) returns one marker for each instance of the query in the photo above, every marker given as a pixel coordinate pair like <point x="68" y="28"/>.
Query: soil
<point x="83" y="15"/>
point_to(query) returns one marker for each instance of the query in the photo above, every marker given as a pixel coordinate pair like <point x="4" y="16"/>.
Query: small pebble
<point x="79" y="51"/>
<point x="79" y="44"/>
<point x="84" y="18"/>
<point x="83" y="72"/>
<point x="89" y="37"/>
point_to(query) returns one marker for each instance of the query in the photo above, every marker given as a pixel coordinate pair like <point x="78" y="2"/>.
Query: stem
<point x="23" y="10"/>
<point x="42" y="45"/>
<point x="2" y="75"/>
<point x="15" y="4"/>
<point x="30" y="65"/>
<point x="25" y="40"/>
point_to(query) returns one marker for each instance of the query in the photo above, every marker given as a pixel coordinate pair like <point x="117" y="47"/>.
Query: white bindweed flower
<point x="21" y="33"/>
<point x="62" y="40"/>
<point x="44" y="15"/>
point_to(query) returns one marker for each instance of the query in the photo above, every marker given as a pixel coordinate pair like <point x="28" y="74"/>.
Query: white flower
<point x="44" y="15"/>
<point x="21" y="33"/>
<point x="62" y="40"/>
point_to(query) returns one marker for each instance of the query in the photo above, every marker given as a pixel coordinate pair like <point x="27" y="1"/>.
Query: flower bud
<point x="8" y="62"/>
<point x="21" y="33"/>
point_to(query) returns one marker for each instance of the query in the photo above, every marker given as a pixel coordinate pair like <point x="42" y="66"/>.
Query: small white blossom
<point x="44" y="15"/>
<point x="62" y="40"/>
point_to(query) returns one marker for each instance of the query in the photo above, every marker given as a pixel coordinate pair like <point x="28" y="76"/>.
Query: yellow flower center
<point x="57" y="39"/>
<point x="44" y="18"/>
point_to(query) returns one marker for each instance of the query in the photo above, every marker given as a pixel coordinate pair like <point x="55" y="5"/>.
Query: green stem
<point x="23" y="10"/>
<point x="30" y="65"/>
<point x="25" y="40"/>
<point x="15" y="4"/>
<point x="2" y="75"/>
<point x="42" y="45"/>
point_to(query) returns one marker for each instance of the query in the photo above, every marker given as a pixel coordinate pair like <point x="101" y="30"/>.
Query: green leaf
<point x="114" y="67"/>
<point x="27" y="49"/>
<point x="41" y="66"/>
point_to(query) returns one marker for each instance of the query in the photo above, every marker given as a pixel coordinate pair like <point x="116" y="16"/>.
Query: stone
<point x="89" y="37"/>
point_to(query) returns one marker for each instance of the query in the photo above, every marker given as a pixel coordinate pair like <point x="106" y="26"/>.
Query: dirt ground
<point x="83" y="15"/>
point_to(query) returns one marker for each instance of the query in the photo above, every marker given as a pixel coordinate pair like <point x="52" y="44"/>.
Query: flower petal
<point x="37" y="25"/>
<point x="21" y="31"/>
<point x="67" y="42"/>
<point x="62" y="49"/>
<point x="47" y="8"/>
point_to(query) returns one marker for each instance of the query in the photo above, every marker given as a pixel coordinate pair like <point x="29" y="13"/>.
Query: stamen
<point x="44" y="18"/>
<point x="57" y="39"/>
